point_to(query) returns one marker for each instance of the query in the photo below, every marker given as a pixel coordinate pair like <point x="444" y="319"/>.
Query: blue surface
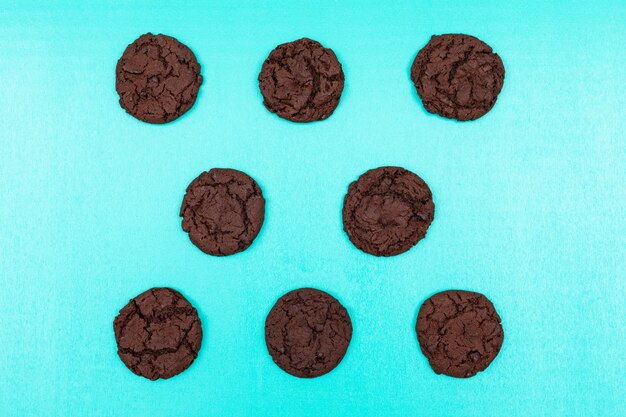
<point x="530" y="208"/>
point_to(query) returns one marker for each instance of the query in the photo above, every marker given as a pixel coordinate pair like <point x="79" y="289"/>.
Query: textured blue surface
<point x="530" y="208"/>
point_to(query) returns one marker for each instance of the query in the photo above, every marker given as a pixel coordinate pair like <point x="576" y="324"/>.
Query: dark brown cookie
<point x="157" y="78"/>
<point x="307" y="332"/>
<point x="223" y="211"/>
<point x="301" y="81"/>
<point x="459" y="332"/>
<point x="387" y="211"/>
<point x="158" y="334"/>
<point x="457" y="76"/>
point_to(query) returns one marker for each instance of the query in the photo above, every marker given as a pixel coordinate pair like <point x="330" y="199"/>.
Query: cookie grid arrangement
<point x="386" y="211"/>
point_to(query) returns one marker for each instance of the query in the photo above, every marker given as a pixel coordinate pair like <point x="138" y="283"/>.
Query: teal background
<point x="530" y="208"/>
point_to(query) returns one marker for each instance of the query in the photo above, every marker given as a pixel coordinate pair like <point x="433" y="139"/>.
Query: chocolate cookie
<point x="157" y="78"/>
<point x="223" y="211"/>
<point x="307" y="332"/>
<point x="158" y="334"/>
<point x="457" y="76"/>
<point x="301" y="81"/>
<point x="459" y="332"/>
<point x="387" y="211"/>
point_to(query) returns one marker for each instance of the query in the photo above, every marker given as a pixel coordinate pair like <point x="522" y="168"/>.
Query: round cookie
<point x="157" y="78"/>
<point x="158" y="334"/>
<point x="223" y="211"/>
<point x="307" y="332"/>
<point x="459" y="332"/>
<point x="457" y="76"/>
<point x="387" y="211"/>
<point x="301" y="81"/>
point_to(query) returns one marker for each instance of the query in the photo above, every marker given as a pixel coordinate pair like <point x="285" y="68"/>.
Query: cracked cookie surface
<point x="158" y="334"/>
<point x="301" y="81"/>
<point x="457" y="76"/>
<point x="223" y="211"/>
<point x="459" y="332"/>
<point x="157" y="78"/>
<point x="307" y="332"/>
<point x="387" y="211"/>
